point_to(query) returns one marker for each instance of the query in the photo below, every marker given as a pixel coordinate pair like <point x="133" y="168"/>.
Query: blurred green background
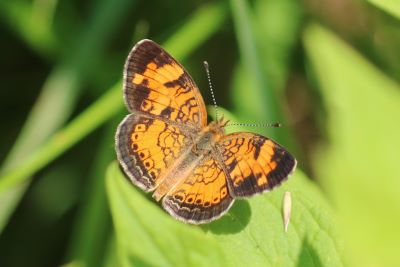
<point x="328" y="70"/>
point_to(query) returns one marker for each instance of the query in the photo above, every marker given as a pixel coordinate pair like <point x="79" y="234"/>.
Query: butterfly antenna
<point x="211" y="89"/>
<point x="264" y="125"/>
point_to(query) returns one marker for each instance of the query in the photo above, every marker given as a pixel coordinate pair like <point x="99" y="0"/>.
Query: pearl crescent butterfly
<point x="165" y="145"/>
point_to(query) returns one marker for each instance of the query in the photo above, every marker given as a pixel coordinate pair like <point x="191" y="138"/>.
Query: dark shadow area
<point x="308" y="257"/>
<point x="234" y="221"/>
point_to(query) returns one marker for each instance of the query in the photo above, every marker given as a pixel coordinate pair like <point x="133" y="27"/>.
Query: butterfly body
<point x="166" y="146"/>
<point x="202" y="145"/>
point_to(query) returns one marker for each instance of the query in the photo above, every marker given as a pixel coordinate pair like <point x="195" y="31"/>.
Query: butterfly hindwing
<point x="203" y="196"/>
<point x="155" y="83"/>
<point x="254" y="163"/>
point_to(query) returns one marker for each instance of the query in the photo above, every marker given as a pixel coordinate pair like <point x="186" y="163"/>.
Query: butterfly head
<point x="217" y="127"/>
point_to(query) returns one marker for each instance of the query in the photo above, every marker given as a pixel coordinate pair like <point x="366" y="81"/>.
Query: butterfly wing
<point x="202" y="197"/>
<point x="254" y="163"/>
<point x="146" y="147"/>
<point x="156" y="84"/>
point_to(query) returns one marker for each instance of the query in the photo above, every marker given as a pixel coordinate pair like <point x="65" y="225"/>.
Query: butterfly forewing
<point x="156" y="84"/>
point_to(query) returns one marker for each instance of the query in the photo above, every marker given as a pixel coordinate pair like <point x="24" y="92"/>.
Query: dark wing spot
<point x="258" y="144"/>
<point x="176" y="83"/>
<point x="285" y="163"/>
<point x="232" y="165"/>
<point x="166" y="112"/>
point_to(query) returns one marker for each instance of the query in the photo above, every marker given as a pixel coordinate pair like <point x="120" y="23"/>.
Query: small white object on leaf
<point x="287" y="208"/>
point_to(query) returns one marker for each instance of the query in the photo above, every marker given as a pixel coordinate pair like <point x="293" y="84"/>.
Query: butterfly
<point x="165" y="145"/>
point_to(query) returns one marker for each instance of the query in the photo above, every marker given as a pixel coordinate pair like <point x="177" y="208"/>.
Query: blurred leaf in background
<point x="359" y="164"/>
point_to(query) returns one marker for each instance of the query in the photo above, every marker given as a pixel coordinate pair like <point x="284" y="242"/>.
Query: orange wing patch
<point x="201" y="197"/>
<point x="154" y="83"/>
<point x="146" y="147"/>
<point x="254" y="163"/>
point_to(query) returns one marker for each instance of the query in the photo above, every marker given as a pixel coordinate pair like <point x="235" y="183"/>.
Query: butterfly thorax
<point x="202" y="145"/>
<point x="208" y="137"/>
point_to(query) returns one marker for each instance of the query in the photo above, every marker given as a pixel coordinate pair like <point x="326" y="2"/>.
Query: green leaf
<point x="93" y="223"/>
<point x="104" y="108"/>
<point x="146" y="236"/>
<point x="359" y="166"/>
<point x="390" y="6"/>
<point x="36" y="33"/>
<point x="253" y="231"/>
<point x="276" y="28"/>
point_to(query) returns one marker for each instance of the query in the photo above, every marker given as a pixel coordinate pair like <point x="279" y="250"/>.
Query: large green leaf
<point x="253" y="230"/>
<point x="360" y="163"/>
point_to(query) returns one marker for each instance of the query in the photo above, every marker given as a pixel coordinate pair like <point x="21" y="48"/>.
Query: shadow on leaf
<point x="234" y="221"/>
<point x="135" y="261"/>
<point x="308" y="256"/>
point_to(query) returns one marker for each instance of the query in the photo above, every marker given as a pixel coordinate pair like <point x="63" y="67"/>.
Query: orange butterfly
<point x="166" y="146"/>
